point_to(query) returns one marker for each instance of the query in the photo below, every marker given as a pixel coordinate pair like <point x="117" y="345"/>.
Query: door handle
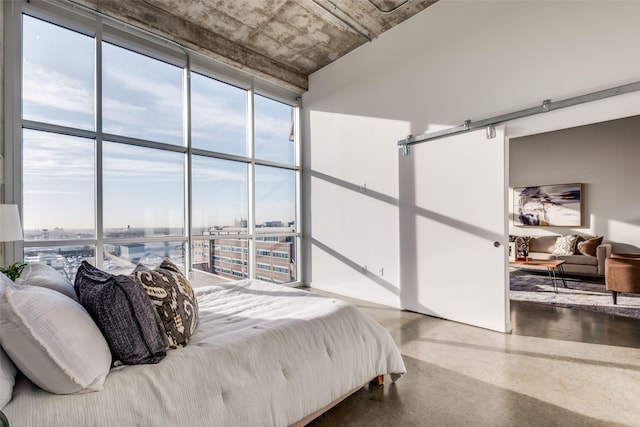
<point x="496" y="244"/>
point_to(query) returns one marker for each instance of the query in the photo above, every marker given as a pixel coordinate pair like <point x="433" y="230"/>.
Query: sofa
<point x="583" y="254"/>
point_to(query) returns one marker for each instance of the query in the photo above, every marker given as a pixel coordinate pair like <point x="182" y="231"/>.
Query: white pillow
<point x="43" y="275"/>
<point x="53" y="340"/>
<point x="7" y="368"/>
<point x="4" y="282"/>
<point x="7" y="378"/>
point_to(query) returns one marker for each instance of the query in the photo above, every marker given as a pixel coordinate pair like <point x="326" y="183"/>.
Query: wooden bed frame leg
<point x="379" y="380"/>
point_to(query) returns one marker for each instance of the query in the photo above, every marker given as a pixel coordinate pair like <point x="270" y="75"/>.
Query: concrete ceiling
<point x="282" y="41"/>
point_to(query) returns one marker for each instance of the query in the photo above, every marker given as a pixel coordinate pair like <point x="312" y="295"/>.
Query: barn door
<point x="453" y="226"/>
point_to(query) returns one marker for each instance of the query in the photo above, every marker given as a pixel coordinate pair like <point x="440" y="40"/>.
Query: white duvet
<point x="262" y="355"/>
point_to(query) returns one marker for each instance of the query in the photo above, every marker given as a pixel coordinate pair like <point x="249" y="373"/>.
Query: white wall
<point x="605" y="158"/>
<point x="457" y="60"/>
<point x="2" y="97"/>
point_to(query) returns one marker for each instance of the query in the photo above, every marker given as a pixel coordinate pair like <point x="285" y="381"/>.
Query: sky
<point x="142" y="98"/>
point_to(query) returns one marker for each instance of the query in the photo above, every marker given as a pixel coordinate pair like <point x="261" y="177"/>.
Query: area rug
<point x="579" y="294"/>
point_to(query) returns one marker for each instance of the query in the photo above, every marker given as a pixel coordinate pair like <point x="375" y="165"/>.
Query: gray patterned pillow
<point x="565" y="245"/>
<point x="173" y="300"/>
<point x="123" y="314"/>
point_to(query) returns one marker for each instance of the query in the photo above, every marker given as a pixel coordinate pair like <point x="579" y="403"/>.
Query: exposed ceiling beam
<point x="279" y="41"/>
<point x="148" y="16"/>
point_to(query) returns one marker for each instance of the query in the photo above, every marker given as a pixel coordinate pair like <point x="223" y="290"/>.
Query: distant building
<point x="275" y="259"/>
<point x="229" y="258"/>
<point x="132" y="251"/>
<point x="201" y="255"/>
<point x="272" y="224"/>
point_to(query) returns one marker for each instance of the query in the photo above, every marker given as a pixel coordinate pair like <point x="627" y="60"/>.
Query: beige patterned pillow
<point x="565" y="245"/>
<point x="173" y="300"/>
<point x="589" y="246"/>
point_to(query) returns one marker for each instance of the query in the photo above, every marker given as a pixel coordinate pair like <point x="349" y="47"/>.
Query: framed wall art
<point x="558" y="205"/>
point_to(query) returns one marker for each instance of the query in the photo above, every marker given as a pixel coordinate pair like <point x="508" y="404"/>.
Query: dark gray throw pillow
<point x="123" y="313"/>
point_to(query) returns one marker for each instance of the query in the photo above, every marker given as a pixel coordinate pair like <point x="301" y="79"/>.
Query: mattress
<point x="262" y="355"/>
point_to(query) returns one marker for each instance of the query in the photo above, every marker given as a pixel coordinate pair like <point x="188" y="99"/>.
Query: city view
<point x="218" y="257"/>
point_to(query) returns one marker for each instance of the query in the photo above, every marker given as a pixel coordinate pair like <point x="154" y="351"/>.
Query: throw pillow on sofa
<point x="589" y="246"/>
<point x="545" y="243"/>
<point x="565" y="245"/>
<point x="124" y="314"/>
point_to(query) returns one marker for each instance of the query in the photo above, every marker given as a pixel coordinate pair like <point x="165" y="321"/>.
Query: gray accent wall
<point x="605" y="158"/>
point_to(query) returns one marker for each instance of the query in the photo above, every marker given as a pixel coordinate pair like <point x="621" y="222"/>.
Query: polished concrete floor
<point x="559" y="367"/>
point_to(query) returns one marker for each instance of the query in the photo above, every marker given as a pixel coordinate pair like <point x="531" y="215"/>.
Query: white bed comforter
<point x="262" y="355"/>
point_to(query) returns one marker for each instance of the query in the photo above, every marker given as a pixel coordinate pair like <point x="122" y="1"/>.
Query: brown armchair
<point x="622" y="274"/>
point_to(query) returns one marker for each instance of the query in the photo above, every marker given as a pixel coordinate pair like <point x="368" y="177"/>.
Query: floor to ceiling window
<point x="130" y="151"/>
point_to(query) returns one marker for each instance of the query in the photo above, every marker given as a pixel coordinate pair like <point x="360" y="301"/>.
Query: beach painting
<point x="548" y="206"/>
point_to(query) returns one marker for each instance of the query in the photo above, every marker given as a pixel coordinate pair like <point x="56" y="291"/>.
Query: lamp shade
<point x="10" y="228"/>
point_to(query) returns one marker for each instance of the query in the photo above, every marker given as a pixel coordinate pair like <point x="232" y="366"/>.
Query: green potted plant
<point x="13" y="271"/>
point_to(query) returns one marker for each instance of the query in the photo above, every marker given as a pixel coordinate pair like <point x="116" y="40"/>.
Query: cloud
<point x="272" y="128"/>
<point x="46" y="91"/>
<point x="205" y="170"/>
<point x="125" y="163"/>
<point x="272" y="119"/>
<point x="131" y="71"/>
<point x="215" y="113"/>
<point x="57" y="156"/>
<point x="142" y="97"/>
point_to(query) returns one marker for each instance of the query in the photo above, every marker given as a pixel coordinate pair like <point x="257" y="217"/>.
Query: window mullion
<point x="251" y="184"/>
<point x="186" y="108"/>
<point x="298" y="192"/>
<point x="12" y="146"/>
<point x="98" y="146"/>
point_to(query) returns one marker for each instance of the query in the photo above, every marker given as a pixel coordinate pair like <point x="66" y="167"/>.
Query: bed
<point x="261" y="355"/>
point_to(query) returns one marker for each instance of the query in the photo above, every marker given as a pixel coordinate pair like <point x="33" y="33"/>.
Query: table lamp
<point x="10" y="228"/>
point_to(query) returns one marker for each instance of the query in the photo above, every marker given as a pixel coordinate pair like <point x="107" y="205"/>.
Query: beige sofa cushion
<point x="541" y="256"/>
<point x="579" y="259"/>
<point x="580" y="268"/>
